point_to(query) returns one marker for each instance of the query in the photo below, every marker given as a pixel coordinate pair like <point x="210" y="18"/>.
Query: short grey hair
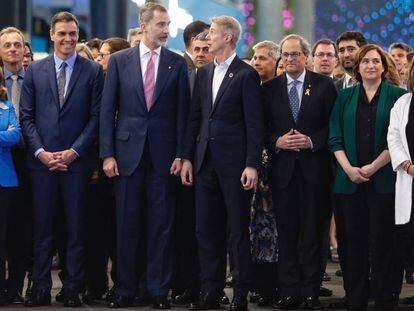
<point x="229" y="25"/>
<point x="9" y="30"/>
<point x="305" y="46"/>
<point x="270" y="45"/>
<point x="147" y="11"/>
<point x="133" y="32"/>
<point x="202" y="36"/>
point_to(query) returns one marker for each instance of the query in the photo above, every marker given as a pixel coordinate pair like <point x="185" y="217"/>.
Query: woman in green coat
<point x="364" y="182"/>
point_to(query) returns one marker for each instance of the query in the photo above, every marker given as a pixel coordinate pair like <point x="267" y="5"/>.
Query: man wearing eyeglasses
<point x="108" y="47"/>
<point x="298" y="105"/>
<point x="325" y="57"/>
<point x="348" y="43"/>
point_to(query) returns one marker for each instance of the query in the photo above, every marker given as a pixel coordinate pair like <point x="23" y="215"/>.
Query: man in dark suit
<point x="224" y="141"/>
<point x="59" y="109"/>
<point x="298" y="106"/>
<point x="348" y="44"/>
<point x="189" y="34"/>
<point x="142" y="126"/>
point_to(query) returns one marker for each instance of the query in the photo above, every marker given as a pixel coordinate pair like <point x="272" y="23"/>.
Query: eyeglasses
<point x="294" y="55"/>
<point x="323" y="54"/>
<point x="103" y="54"/>
<point x="28" y="55"/>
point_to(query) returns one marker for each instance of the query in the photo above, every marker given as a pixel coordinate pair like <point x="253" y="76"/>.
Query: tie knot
<point x="14" y="77"/>
<point x="63" y="65"/>
<point x="295" y="82"/>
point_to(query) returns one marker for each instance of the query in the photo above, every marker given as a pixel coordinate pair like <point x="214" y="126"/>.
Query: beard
<point x="156" y="41"/>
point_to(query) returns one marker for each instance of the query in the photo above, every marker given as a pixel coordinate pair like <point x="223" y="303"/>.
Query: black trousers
<point x="299" y="215"/>
<point x="6" y="198"/>
<point x="366" y="238"/>
<point x="265" y="279"/>
<point x="221" y="201"/>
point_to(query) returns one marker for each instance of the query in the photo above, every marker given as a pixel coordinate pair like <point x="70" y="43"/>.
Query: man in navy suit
<point x="59" y="110"/>
<point x="224" y="141"/>
<point x="141" y="134"/>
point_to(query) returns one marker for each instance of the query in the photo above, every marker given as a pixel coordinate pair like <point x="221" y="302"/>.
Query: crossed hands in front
<point x="57" y="161"/>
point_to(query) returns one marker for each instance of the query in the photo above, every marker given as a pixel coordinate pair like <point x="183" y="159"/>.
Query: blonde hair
<point x="229" y="26"/>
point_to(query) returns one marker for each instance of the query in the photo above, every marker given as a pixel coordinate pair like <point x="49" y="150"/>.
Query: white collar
<point x="301" y="78"/>
<point x="143" y="49"/>
<point x="227" y="62"/>
<point x="3" y="106"/>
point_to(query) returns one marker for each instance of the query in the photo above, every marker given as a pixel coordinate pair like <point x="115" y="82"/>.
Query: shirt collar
<point x="69" y="62"/>
<point x="227" y="62"/>
<point x="347" y="78"/>
<point x="143" y="49"/>
<point x="301" y="78"/>
<point x="8" y="74"/>
<point x="189" y="55"/>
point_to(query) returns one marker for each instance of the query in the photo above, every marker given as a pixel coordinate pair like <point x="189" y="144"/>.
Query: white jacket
<point x="398" y="147"/>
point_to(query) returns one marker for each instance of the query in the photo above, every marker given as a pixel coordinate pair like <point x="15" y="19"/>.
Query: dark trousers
<point x="221" y="200"/>
<point x="5" y="205"/>
<point x="366" y="236"/>
<point x="47" y="187"/>
<point x="20" y="228"/>
<point x="299" y="215"/>
<point x="145" y="189"/>
<point x="186" y="266"/>
<point x="265" y="278"/>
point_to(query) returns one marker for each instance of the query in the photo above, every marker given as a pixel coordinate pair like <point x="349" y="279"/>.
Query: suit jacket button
<point x="212" y="139"/>
<point x="211" y="119"/>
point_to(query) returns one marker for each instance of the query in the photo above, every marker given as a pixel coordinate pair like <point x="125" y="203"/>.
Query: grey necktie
<point x="15" y="94"/>
<point x="61" y="84"/>
<point x="294" y="100"/>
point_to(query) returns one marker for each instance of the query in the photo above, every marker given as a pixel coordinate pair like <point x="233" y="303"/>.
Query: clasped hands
<point x="293" y="140"/>
<point x="359" y="175"/>
<point x="57" y="161"/>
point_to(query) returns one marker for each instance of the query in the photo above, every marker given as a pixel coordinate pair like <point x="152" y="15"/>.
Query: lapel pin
<point x="307" y="92"/>
<point x="230" y="75"/>
<point x="169" y="67"/>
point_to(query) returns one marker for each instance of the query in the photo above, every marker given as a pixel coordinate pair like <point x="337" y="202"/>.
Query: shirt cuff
<point x="177" y="159"/>
<point x="311" y="144"/>
<point x="77" y="154"/>
<point x="38" y="151"/>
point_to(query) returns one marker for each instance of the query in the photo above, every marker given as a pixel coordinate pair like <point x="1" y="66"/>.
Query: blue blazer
<point x="126" y="125"/>
<point x="75" y="125"/>
<point x="8" y="139"/>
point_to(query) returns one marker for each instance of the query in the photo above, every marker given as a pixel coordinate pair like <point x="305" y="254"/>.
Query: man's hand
<point x="110" y="167"/>
<point x="355" y="174"/>
<point x="299" y="141"/>
<point x="53" y="163"/>
<point x="66" y="156"/>
<point x="187" y="173"/>
<point x="176" y="167"/>
<point x="368" y="170"/>
<point x="249" y="178"/>
<point x="284" y="142"/>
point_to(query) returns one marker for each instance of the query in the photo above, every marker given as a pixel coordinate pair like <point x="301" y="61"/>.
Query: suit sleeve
<point x="193" y="123"/>
<point x="90" y="133"/>
<point x="253" y="116"/>
<point x="27" y="112"/>
<point x="319" y="139"/>
<point x="12" y="137"/>
<point x="267" y="97"/>
<point x="336" y="132"/>
<point x="109" y="106"/>
<point x="182" y="107"/>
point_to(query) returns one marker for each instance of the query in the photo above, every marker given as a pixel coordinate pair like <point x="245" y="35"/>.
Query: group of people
<point x="169" y="166"/>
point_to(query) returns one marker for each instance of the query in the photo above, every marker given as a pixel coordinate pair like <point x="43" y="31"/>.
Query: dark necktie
<point x="294" y="100"/>
<point x="61" y="84"/>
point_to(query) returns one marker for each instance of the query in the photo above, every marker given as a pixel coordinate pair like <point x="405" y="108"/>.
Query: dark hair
<point x="27" y="44"/>
<point x="116" y="44"/>
<point x="401" y="45"/>
<point x="410" y="83"/>
<point x="94" y="43"/>
<point x="324" y="42"/>
<point x="147" y="11"/>
<point x="192" y="30"/>
<point x="360" y="55"/>
<point x="352" y="35"/>
<point x="65" y="17"/>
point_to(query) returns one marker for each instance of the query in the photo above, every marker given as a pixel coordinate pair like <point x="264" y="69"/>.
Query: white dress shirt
<point x="347" y="79"/>
<point x="220" y="71"/>
<point x="399" y="152"/>
<point x="144" y="55"/>
<point x="299" y="86"/>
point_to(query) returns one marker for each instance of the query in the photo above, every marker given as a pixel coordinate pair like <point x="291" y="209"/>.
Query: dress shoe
<point x="185" y="298"/>
<point x="225" y="300"/>
<point x="325" y="292"/>
<point x="312" y="303"/>
<point x="161" y="303"/>
<point x="38" y="298"/>
<point x="14" y="298"/>
<point x="408" y="300"/>
<point x="204" y="305"/>
<point x="409" y="278"/>
<point x="71" y="300"/>
<point x="264" y="301"/>
<point x="111" y="295"/>
<point x="254" y="297"/>
<point x="141" y="301"/>
<point x="29" y="289"/>
<point x="60" y="297"/>
<point x="340" y="304"/>
<point x="287" y="303"/>
<point x="120" y="302"/>
<point x="90" y="296"/>
<point x="326" y="277"/>
<point x="239" y="303"/>
<point x="338" y="273"/>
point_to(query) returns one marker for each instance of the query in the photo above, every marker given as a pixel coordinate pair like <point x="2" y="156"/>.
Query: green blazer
<point x="342" y="135"/>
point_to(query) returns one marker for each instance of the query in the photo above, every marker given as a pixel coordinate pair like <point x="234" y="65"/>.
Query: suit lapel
<point x="231" y="72"/>
<point x="164" y="70"/>
<point x="210" y="73"/>
<point x="306" y="94"/>
<point x="133" y="72"/>
<point x="74" y="77"/>
<point x="51" y="74"/>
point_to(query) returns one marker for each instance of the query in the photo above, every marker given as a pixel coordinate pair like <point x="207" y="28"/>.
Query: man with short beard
<point x="348" y="44"/>
<point x="141" y="133"/>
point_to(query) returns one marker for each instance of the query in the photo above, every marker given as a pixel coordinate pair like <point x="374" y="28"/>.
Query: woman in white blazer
<point x="401" y="147"/>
